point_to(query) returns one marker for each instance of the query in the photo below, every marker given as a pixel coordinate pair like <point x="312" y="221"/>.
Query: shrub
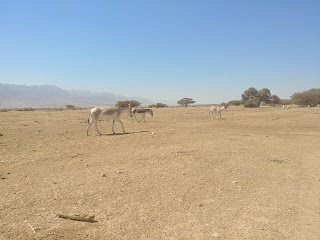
<point x="69" y="106"/>
<point x="158" y="105"/>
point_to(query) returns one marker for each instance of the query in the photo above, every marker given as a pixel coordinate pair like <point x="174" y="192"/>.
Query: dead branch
<point x="77" y="217"/>
<point x="32" y="228"/>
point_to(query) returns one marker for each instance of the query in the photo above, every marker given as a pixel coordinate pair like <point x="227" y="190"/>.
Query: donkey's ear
<point x="129" y="104"/>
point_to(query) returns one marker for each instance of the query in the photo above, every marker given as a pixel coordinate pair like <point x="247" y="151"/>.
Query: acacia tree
<point x="133" y="103"/>
<point x="186" y="101"/>
<point x="310" y="97"/>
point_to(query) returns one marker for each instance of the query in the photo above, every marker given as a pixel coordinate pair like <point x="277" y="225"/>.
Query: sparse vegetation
<point x="25" y="109"/>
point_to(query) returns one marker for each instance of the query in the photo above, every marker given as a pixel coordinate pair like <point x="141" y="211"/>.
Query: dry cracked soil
<point x="254" y="174"/>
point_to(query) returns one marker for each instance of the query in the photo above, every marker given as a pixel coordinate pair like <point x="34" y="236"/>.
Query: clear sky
<point x="162" y="50"/>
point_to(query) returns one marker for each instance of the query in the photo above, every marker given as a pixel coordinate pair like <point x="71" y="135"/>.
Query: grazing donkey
<point x="107" y="113"/>
<point x="142" y="111"/>
<point x="218" y="110"/>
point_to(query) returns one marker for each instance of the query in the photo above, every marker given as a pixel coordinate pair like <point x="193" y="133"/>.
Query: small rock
<point x="235" y="182"/>
<point x="1" y="134"/>
<point x="3" y="177"/>
<point x="120" y="172"/>
<point x="152" y="133"/>
<point x="200" y="205"/>
<point x="103" y="175"/>
<point x="3" y="161"/>
<point x="216" y="235"/>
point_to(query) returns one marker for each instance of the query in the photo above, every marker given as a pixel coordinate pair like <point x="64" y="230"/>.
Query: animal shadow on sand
<point x="117" y="134"/>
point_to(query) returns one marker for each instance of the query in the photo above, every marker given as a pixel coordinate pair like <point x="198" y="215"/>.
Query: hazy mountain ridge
<point x="20" y="96"/>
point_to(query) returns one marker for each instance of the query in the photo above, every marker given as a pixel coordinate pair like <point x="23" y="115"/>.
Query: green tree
<point x="251" y="98"/>
<point x="249" y="94"/>
<point x="310" y="97"/>
<point x="253" y="102"/>
<point x="185" y="102"/>
<point x="275" y="99"/>
<point x="265" y="95"/>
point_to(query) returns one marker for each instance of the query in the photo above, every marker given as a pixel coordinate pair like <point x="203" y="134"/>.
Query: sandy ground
<point x="254" y="174"/>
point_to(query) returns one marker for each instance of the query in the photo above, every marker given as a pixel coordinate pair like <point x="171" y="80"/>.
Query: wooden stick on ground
<point x="77" y="217"/>
<point x="32" y="228"/>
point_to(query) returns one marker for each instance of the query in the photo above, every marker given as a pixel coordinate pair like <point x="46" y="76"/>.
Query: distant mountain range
<point x="22" y="96"/>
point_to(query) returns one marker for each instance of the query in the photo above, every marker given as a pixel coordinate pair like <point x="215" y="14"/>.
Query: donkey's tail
<point x="90" y="118"/>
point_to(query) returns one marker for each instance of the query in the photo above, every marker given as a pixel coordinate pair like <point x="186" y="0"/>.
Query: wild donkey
<point x="142" y="111"/>
<point x="107" y="113"/>
<point x="286" y="107"/>
<point x="218" y="110"/>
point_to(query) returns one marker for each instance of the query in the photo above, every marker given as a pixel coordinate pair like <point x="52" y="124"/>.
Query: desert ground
<point x="254" y="174"/>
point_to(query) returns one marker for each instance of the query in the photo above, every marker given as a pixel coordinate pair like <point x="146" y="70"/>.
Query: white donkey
<point x="143" y="112"/>
<point x="217" y="110"/>
<point x="107" y="113"/>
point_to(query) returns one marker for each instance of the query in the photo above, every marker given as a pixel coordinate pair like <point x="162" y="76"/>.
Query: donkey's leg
<point x="113" y="127"/>
<point x="119" y="120"/>
<point x="121" y="125"/>
<point x="96" y="125"/>
<point x="89" y="124"/>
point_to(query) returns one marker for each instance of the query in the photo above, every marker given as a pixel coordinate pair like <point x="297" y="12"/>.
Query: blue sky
<point x="162" y="50"/>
